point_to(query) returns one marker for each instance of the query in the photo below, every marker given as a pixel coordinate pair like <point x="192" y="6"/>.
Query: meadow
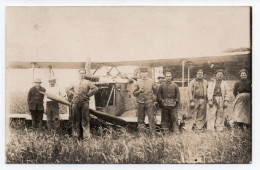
<point x="117" y="145"/>
<point x="120" y="146"/>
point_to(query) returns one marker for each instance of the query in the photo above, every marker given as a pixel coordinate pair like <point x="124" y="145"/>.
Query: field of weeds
<point x="119" y="146"/>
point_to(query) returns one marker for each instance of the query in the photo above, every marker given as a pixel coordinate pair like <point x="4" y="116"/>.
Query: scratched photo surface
<point x="128" y="85"/>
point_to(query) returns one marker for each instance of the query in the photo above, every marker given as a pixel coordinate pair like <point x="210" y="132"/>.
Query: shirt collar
<point x="168" y="82"/>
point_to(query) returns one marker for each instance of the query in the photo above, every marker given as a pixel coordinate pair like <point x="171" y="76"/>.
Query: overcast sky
<point x="123" y="33"/>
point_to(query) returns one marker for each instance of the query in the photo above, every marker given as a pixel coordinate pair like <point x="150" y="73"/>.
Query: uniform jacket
<point x="35" y="98"/>
<point x="191" y="89"/>
<point x="169" y="91"/>
<point x="82" y="91"/>
<point x="224" y="89"/>
<point x="150" y="89"/>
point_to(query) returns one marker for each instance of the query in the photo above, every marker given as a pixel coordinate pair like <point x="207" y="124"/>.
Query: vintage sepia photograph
<point x="128" y="85"/>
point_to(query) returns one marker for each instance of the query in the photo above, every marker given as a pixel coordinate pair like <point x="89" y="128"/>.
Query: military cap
<point x="143" y="69"/>
<point x="220" y="70"/>
<point x="243" y="70"/>
<point x="200" y="70"/>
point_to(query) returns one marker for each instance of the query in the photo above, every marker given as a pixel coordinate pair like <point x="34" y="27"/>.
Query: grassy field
<point x="118" y="145"/>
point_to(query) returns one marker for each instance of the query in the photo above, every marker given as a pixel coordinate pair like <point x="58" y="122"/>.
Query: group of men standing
<point x="207" y="102"/>
<point x="78" y="94"/>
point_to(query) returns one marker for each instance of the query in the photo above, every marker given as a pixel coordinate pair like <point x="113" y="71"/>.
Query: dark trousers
<point x="52" y="112"/>
<point x="81" y="118"/>
<point x="37" y="116"/>
<point x="169" y="119"/>
<point x="142" y="110"/>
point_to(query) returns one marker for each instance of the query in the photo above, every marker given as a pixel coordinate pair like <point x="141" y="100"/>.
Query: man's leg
<point x="165" y="120"/>
<point x="173" y="112"/>
<point x="40" y="119"/>
<point x="211" y="114"/>
<point x="76" y="121"/>
<point x="49" y="117"/>
<point x="220" y="114"/>
<point x="34" y="118"/>
<point x="201" y="114"/>
<point x="140" y="117"/>
<point x="189" y="122"/>
<point x="86" y="120"/>
<point x="55" y="116"/>
<point x="149" y="112"/>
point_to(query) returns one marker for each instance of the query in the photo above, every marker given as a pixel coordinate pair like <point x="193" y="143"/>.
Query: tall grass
<point x="109" y="145"/>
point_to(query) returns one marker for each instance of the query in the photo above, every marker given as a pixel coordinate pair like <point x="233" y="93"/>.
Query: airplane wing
<point x="222" y="57"/>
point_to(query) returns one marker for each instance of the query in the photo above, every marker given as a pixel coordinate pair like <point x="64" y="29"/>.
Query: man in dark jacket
<point x="169" y="96"/>
<point x="35" y="102"/>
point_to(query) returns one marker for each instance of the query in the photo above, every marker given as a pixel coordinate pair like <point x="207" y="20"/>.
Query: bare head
<point x="52" y="82"/>
<point x="82" y="74"/>
<point x="199" y="74"/>
<point x="143" y="73"/>
<point x="219" y="75"/>
<point x="168" y="76"/>
<point x="243" y="75"/>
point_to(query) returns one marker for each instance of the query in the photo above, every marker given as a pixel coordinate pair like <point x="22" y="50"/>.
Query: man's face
<point x="52" y="83"/>
<point x="37" y="84"/>
<point x="144" y="75"/>
<point x="168" y="77"/>
<point x="243" y="75"/>
<point x="219" y="75"/>
<point x="82" y="74"/>
<point x="199" y="75"/>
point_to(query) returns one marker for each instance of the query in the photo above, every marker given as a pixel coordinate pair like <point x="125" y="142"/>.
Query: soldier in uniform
<point x="35" y="102"/>
<point x="169" y="96"/>
<point x="198" y="102"/>
<point x="218" y="97"/>
<point x="81" y="91"/>
<point x="145" y="93"/>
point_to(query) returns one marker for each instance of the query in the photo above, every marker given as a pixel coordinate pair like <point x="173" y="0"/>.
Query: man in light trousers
<point x="218" y="97"/>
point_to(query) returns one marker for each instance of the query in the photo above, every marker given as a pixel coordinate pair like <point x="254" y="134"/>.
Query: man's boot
<point x="86" y="131"/>
<point x="49" y="125"/>
<point x="41" y="125"/>
<point x="75" y="130"/>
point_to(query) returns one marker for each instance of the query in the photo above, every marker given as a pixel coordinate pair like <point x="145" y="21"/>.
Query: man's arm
<point x="92" y="89"/>
<point x="235" y="89"/>
<point x="29" y="95"/>
<point x="190" y="89"/>
<point x="160" y="98"/>
<point x="155" y="88"/>
<point x="136" y="90"/>
<point x="177" y="91"/>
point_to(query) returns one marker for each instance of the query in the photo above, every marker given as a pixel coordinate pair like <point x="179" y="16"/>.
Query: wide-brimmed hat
<point x="243" y="70"/>
<point x="37" y="81"/>
<point x="52" y="80"/>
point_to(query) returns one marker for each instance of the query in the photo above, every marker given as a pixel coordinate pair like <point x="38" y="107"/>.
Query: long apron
<point x="242" y="108"/>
